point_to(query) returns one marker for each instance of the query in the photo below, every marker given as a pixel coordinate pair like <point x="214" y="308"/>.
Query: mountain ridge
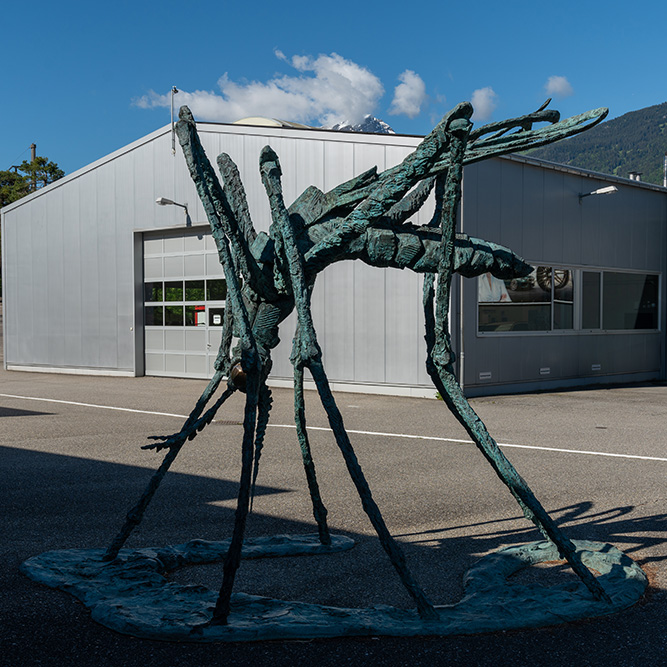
<point x="633" y="142"/>
<point x="368" y="124"/>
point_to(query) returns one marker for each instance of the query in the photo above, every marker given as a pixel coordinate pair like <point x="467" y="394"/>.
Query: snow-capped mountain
<point x="368" y="124"/>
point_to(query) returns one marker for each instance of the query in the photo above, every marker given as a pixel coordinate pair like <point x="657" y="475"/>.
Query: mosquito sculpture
<point x="270" y="275"/>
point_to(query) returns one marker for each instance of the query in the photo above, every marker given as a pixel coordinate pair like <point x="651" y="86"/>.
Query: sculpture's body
<point x="361" y="219"/>
<point x="364" y="219"/>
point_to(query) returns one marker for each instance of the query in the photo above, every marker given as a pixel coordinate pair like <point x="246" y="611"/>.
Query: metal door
<point x="184" y="300"/>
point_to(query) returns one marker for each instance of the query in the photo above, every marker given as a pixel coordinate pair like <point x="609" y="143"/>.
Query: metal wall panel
<point x="75" y="302"/>
<point x="555" y="226"/>
<point x="72" y="287"/>
<point x="90" y="305"/>
<point x="511" y="222"/>
<point x="537" y="213"/>
<point x="336" y="298"/>
<point x="406" y="348"/>
<point x="71" y="299"/>
<point x="533" y="212"/>
<point x="56" y="282"/>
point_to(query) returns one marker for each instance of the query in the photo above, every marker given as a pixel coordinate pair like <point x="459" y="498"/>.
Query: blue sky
<point x="82" y="79"/>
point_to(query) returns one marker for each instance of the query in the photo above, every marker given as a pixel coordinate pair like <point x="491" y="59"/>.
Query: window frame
<point x="578" y="315"/>
<point x="183" y="303"/>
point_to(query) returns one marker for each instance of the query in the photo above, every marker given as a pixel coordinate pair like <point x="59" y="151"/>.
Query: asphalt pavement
<point x="71" y="466"/>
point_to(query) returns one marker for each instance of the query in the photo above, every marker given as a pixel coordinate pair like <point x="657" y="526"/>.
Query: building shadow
<point x="58" y="502"/>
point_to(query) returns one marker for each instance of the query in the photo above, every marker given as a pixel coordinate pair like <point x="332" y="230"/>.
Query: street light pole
<point x="174" y="90"/>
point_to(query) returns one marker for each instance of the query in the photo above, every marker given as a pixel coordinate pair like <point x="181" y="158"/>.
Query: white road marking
<point x="405" y="436"/>
<point x="93" y="405"/>
<point x="470" y="442"/>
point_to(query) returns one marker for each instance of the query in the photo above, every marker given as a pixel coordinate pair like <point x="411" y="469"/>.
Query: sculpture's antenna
<point x="545" y="105"/>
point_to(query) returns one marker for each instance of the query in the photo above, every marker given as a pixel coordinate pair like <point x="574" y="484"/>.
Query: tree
<point x="12" y="187"/>
<point x="33" y="176"/>
<point x="40" y="172"/>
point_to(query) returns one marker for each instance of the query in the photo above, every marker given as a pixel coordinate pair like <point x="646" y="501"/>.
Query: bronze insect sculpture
<point x="270" y="275"/>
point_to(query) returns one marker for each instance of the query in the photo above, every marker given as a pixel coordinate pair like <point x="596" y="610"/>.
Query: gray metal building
<point x="99" y="279"/>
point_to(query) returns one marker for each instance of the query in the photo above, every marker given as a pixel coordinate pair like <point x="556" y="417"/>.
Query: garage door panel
<point x="174" y="364"/>
<point x="174" y="339"/>
<point x="154" y="339"/>
<point x="194" y="265"/>
<point x="173" y="267"/>
<point x="195" y="340"/>
<point x="183" y="304"/>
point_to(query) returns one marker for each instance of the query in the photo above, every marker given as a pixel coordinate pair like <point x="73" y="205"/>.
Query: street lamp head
<point x="163" y="201"/>
<point x="608" y="190"/>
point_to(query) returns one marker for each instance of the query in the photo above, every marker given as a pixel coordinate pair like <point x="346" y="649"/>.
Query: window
<point x="216" y="290"/>
<point x="178" y="303"/>
<point x="629" y="301"/>
<point x="545" y="301"/>
<point x="590" y="299"/>
<point x="542" y="301"/>
<point x="194" y="290"/>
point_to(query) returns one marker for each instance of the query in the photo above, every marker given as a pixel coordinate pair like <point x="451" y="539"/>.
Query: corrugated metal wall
<point x="536" y="212"/>
<point x="72" y="278"/>
<point x="73" y="262"/>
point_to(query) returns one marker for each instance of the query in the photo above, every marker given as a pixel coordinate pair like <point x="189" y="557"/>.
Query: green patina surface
<point x="133" y="593"/>
<point x="271" y="275"/>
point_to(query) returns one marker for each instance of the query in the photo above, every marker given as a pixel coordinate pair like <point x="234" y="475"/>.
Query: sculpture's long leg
<point x="233" y="558"/>
<point x="307" y="352"/>
<point x="135" y="515"/>
<point x="429" y="317"/>
<point x="424" y="607"/>
<point x="195" y="422"/>
<point x="319" y="510"/>
<point x="218" y="210"/>
<point x="440" y="368"/>
<point x="445" y="382"/>
<point x="263" y="411"/>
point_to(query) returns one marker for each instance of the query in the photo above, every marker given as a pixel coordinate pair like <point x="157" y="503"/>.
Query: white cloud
<point x="484" y="103"/>
<point x="558" y="86"/>
<point x="327" y="89"/>
<point x="409" y="95"/>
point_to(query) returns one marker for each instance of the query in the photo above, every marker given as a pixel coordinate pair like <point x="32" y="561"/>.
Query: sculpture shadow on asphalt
<point x="635" y="535"/>
<point x="65" y="496"/>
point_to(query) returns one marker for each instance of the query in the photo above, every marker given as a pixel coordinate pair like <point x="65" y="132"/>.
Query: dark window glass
<point x="216" y="290"/>
<point x="515" y="317"/>
<point x="520" y="304"/>
<point x="173" y="316"/>
<point x="629" y="301"/>
<point x="190" y="316"/>
<point x="153" y="291"/>
<point x="154" y="316"/>
<point x="563" y="286"/>
<point x="590" y="300"/>
<point x="216" y="317"/>
<point x="563" y="315"/>
<point x="194" y="290"/>
<point x="173" y="291"/>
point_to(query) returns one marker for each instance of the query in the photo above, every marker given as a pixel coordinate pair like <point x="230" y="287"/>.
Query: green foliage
<point x="12" y="187"/>
<point x="636" y="141"/>
<point x="27" y="178"/>
<point x="40" y="172"/>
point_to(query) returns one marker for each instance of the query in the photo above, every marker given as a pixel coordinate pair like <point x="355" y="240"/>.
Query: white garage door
<point x="184" y="303"/>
